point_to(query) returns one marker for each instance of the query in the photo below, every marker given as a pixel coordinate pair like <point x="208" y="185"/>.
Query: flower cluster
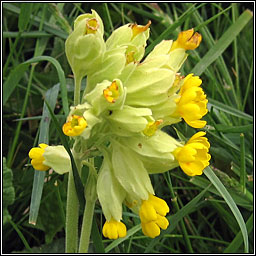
<point x="125" y="105"/>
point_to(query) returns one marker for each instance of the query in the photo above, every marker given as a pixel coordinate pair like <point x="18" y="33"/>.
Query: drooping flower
<point x="192" y="103"/>
<point x="75" y="125"/>
<point x="36" y="154"/>
<point x="152" y="214"/>
<point x="193" y="157"/>
<point x="45" y="157"/>
<point x="114" y="229"/>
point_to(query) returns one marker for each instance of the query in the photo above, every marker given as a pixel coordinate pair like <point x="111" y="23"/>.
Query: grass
<point x="209" y="214"/>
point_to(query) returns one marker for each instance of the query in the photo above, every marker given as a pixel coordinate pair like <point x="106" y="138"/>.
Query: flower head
<point x="194" y="157"/>
<point x="75" y="125"/>
<point x="152" y="214"/>
<point x="188" y="40"/>
<point x="36" y="154"/>
<point x="192" y="104"/>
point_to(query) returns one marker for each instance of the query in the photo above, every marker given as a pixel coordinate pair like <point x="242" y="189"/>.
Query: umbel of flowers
<point x="125" y="105"/>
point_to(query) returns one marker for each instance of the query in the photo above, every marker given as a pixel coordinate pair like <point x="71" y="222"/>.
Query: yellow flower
<point x="75" y="126"/>
<point x="192" y="104"/>
<point x="188" y="40"/>
<point x="152" y="214"/>
<point x="114" y="229"/>
<point x="194" y="157"/>
<point x="36" y="154"/>
<point x="111" y="93"/>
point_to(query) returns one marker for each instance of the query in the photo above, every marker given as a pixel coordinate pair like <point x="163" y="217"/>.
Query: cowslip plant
<point x="120" y="117"/>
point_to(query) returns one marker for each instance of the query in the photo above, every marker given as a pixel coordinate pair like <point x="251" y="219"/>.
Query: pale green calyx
<point x="130" y="172"/>
<point x="57" y="158"/>
<point x="155" y="151"/>
<point x="132" y="36"/>
<point x="128" y="120"/>
<point x="110" y="193"/>
<point x="175" y="57"/>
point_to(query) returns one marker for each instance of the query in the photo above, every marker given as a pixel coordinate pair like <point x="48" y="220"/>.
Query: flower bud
<point x="128" y="120"/>
<point x="132" y="36"/>
<point x="85" y="45"/>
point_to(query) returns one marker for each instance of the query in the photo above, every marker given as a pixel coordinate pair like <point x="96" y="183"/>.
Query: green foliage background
<point x="201" y="221"/>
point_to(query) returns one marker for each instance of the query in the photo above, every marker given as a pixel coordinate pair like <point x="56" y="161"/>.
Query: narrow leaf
<point x="230" y="202"/>
<point x="221" y="45"/>
<point x="96" y="237"/>
<point x="236" y="243"/>
<point x="12" y="81"/>
<point x="15" y="76"/>
<point x="228" y="109"/>
<point x="38" y="183"/>
<point x="24" y="17"/>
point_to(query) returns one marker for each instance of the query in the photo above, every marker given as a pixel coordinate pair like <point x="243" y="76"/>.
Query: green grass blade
<point x="242" y="163"/>
<point x="24" y="17"/>
<point x="227" y="38"/>
<point x="230" y="202"/>
<point x="38" y="183"/>
<point x="13" y="80"/>
<point x="61" y="76"/>
<point x="15" y="76"/>
<point x="29" y="34"/>
<point x="234" y="129"/>
<point x="48" y="27"/>
<point x="96" y="237"/>
<point x="236" y="243"/>
<point x="229" y="110"/>
<point x="130" y="232"/>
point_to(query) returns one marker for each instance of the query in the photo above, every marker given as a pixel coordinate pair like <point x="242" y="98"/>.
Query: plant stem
<point x="86" y="226"/>
<point x="72" y="216"/>
<point x="91" y="196"/>
<point x="78" y="80"/>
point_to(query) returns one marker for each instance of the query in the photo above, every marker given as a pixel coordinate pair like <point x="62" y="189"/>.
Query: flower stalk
<point x="72" y="210"/>
<point x="91" y="196"/>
